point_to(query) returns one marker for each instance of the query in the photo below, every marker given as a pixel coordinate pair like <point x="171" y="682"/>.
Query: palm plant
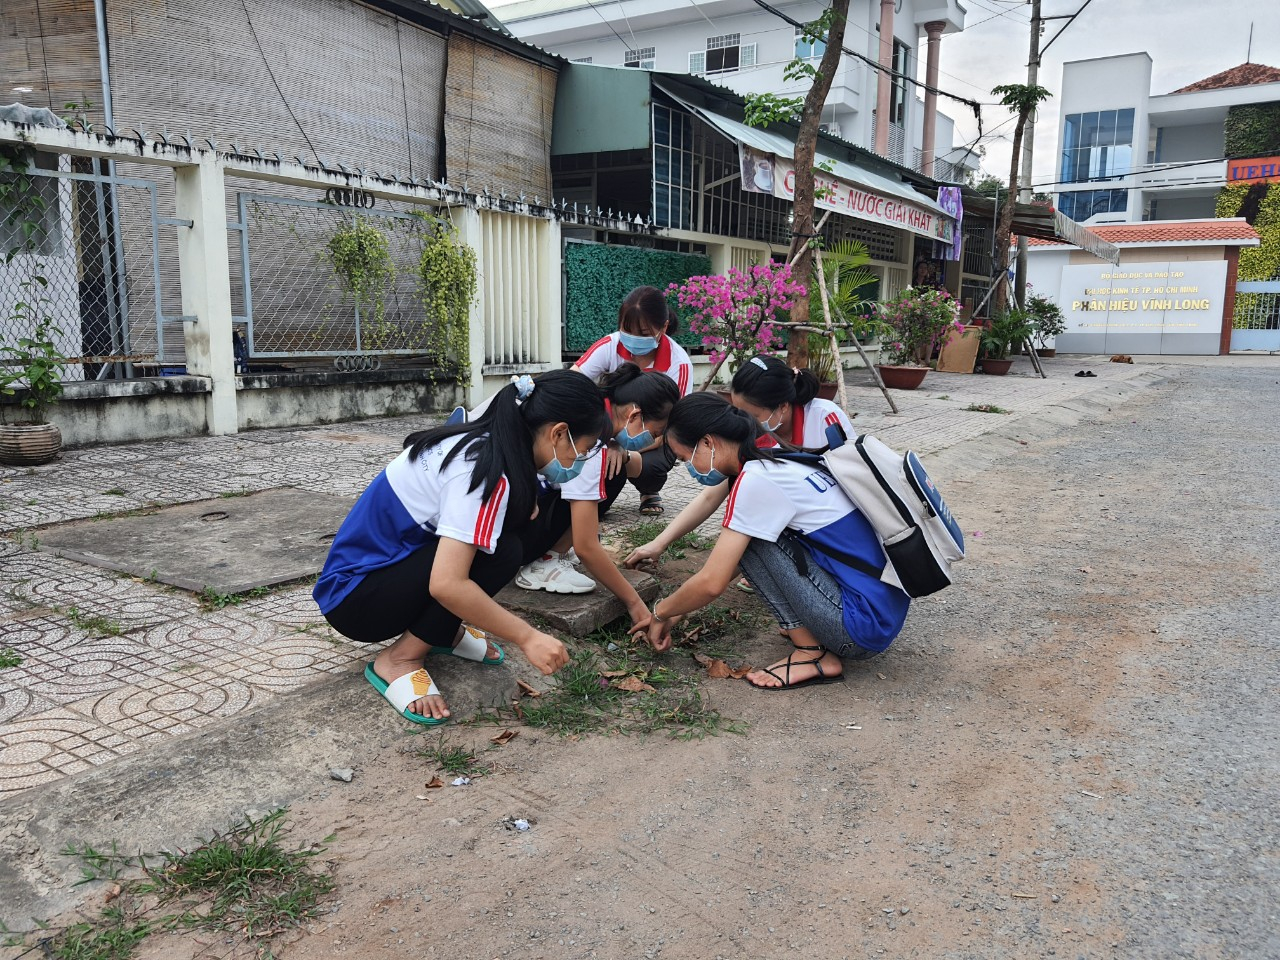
<point x="1010" y="328"/>
<point x="851" y="296"/>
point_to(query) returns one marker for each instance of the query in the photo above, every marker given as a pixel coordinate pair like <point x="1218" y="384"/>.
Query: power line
<point x="274" y="82"/>
<point x="889" y="71"/>
<point x="1145" y="168"/>
<point x="625" y="45"/>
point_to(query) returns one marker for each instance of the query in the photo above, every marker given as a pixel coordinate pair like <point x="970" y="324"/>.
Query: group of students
<point x="514" y="492"/>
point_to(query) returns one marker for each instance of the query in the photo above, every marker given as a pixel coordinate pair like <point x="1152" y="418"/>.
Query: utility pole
<point x="1028" y="147"/>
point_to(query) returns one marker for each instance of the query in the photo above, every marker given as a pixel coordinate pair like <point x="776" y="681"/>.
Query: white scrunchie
<point x="524" y="386"/>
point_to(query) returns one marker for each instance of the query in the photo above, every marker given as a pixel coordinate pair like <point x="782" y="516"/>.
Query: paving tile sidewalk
<point x="112" y="664"/>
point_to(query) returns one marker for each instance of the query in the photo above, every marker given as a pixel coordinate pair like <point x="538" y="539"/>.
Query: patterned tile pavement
<point x="111" y="664"/>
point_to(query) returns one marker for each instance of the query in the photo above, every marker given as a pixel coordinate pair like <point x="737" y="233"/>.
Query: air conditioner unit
<point x="831" y="129"/>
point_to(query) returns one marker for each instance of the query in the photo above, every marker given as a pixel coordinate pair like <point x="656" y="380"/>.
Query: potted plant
<point x="736" y="314"/>
<point x="32" y="364"/>
<point x="1001" y="336"/>
<point x="917" y="318"/>
<point x="1047" y="321"/>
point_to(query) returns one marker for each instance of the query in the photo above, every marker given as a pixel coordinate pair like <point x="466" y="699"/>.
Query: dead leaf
<point x="434" y="783"/>
<point x="527" y="690"/>
<point x="515" y="708"/>
<point x="113" y="892"/>
<point x="505" y="737"/>
<point x="719" y="670"/>
<point x="610" y="674"/>
<point x="633" y="685"/>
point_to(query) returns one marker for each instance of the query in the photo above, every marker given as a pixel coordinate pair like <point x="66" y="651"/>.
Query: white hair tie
<point x="760" y="363"/>
<point x="524" y="386"/>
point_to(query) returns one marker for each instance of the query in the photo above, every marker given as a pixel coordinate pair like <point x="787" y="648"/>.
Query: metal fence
<point x="80" y="250"/>
<point x="293" y="297"/>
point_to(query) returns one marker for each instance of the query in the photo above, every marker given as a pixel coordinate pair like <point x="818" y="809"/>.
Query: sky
<point x="1188" y="40"/>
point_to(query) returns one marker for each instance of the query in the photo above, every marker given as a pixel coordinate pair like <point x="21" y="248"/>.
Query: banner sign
<point x="949" y="200"/>
<point x="769" y="173"/>
<point x="1159" y="298"/>
<point x="1254" y="170"/>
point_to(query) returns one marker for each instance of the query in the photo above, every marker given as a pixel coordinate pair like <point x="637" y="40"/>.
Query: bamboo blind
<point x="497" y="119"/>
<point x="52" y="48"/>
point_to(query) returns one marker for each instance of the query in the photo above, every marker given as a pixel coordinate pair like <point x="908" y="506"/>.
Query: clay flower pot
<point x="29" y="444"/>
<point x="901" y="378"/>
<point x="997" y="368"/>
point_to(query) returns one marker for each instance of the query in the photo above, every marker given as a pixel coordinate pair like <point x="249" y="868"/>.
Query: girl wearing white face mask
<point x="814" y="558"/>
<point x="644" y="324"/>
<point x="636" y="409"/>
<point x="785" y="404"/>
<point x="442" y="529"/>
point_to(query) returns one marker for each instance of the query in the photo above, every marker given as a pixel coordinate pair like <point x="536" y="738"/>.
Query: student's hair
<point x="704" y="414"/>
<point x="673" y="321"/>
<point x="654" y="393"/>
<point x="768" y="382"/>
<point x="558" y="396"/>
<point x="643" y="311"/>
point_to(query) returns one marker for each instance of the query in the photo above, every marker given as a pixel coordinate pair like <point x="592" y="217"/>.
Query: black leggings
<point x="653" y="476"/>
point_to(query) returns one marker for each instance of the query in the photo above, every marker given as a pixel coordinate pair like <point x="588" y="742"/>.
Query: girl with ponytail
<point x="786" y="403"/>
<point x="438" y="533"/>
<point x="636" y="407"/>
<point x="645" y="323"/>
<point x="810" y="553"/>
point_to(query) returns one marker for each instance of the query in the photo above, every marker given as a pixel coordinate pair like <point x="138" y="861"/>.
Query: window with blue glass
<point x="672" y="168"/>
<point x="807" y="49"/>
<point x="1096" y="146"/>
<point x="1083" y="204"/>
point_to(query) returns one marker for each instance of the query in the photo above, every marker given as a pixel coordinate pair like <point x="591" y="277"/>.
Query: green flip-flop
<point x="474" y="645"/>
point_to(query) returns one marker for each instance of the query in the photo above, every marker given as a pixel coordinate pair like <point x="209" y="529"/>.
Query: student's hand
<point x="617" y="462"/>
<point x="545" y="652"/>
<point x="649" y="553"/>
<point x="640" y="618"/>
<point x="658" y="633"/>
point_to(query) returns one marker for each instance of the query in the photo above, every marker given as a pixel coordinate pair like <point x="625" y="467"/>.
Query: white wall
<point x="1201" y="141"/>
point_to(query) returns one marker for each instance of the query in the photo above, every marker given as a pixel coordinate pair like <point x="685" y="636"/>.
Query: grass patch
<point x="115" y="492"/>
<point x="9" y="658"/>
<point x="454" y="760"/>
<point x="90" y="623"/>
<point x="615" y="685"/>
<point x="211" y="599"/>
<point x="986" y="408"/>
<point x="245" y="885"/>
<point x="232" y="494"/>
<point x="644" y="532"/>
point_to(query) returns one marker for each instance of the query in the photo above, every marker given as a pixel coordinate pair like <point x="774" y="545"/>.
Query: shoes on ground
<point x="554" y="573"/>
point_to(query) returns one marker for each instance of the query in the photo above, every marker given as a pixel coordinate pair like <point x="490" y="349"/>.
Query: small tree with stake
<point x="763" y="109"/>
<point x="1022" y="100"/>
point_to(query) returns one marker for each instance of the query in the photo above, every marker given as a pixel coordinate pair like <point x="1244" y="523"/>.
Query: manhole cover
<point x="257" y="540"/>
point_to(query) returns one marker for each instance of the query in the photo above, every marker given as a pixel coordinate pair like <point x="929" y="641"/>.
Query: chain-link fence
<point x="79" y="255"/>
<point x="322" y="280"/>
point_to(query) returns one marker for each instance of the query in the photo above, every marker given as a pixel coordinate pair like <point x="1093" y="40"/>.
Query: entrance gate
<point x="1257" y="319"/>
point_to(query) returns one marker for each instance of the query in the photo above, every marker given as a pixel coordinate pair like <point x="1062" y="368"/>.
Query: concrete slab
<point x="229" y="545"/>
<point x="577" y="614"/>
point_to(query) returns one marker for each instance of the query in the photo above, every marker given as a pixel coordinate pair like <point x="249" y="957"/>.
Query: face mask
<point x="627" y="442"/>
<point x="771" y="427"/>
<point x="557" y="472"/>
<point x="712" y="478"/>
<point x="638" y="346"/>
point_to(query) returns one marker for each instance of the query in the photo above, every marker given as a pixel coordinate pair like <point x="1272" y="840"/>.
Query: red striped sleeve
<point x="592" y="349"/>
<point x="832" y="419"/>
<point x="733" y="499"/>
<point x="604" y="468"/>
<point x="682" y="380"/>
<point x="489" y="515"/>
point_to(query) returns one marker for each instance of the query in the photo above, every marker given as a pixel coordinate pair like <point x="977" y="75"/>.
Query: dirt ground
<point x="1071" y="753"/>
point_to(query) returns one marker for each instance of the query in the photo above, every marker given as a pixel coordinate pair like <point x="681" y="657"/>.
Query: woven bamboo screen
<point x="50" y="46"/>
<point x="497" y="121"/>
<point x="327" y="77"/>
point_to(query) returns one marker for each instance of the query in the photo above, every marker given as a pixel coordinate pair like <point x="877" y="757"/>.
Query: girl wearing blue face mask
<point x="644" y="323"/>
<point x="776" y="509"/>
<point x="636" y="409"/>
<point x="444" y="527"/>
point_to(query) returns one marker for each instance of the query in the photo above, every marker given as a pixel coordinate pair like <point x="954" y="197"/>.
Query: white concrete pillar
<point x="206" y="288"/>
<point x="934" y="30"/>
<point x="885" y="84"/>
<point x="467" y="222"/>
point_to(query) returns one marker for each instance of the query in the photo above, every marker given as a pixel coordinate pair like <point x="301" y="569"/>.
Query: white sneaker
<point x="555" y="574"/>
<point x="572" y="557"/>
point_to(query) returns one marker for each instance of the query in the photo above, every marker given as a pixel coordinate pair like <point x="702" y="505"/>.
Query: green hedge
<point x="598" y="278"/>
<point x="1260" y="203"/>
<point x="1252" y="130"/>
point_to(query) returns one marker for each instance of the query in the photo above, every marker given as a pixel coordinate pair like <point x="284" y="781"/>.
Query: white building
<point x="1127" y="156"/>
<point x="740" y="45"/>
